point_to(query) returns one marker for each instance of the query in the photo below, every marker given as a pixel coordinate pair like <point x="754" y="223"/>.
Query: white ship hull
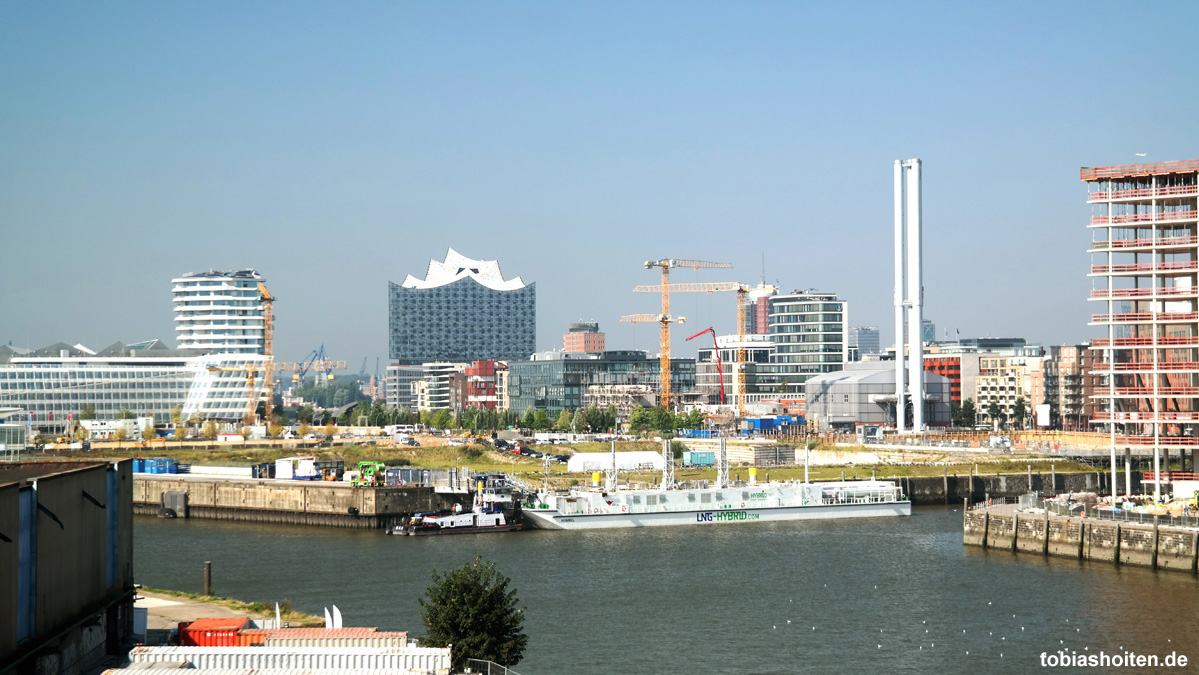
<point x="553" y="520"/>
<point x="592" y="509"/>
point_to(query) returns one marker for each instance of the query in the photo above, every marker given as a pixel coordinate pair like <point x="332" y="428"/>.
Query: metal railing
<point x="1122" y="516"/>
<point x="488" y="668"/>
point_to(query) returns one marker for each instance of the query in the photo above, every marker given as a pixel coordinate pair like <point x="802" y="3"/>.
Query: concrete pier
<point x="287" y="501"/>
<point x="1146" y="544"/>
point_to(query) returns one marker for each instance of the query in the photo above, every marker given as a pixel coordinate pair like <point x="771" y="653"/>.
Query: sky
<point x="335" y="147"/>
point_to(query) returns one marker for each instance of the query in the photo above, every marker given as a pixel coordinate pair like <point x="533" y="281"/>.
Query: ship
<point x="493" y="510"/>
<point x="609" y="506"/>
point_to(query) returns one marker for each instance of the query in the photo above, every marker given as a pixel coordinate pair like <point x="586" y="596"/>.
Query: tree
<point x="210" y="430"/>
<point x="1020" y="412"/>
<point x="81" y="433"/>
<point x="330" y="430"/>
<point x="245" y="433"/>
<point x="88" y="412"/>
<point x="176" y="414"/>
<point x="125" y="413"/>
<point x="148" y="432"/>
<point x="541" y="420"/>
<point x="474" y="610"/>
<point x="530" y="419"/>
<point x="304" y="414"/>
<point x="563" y="423"/>
<point x="274" y="430"/>
<point x="120" y="435"/>
<point x="441" y="419"/>
<point x="993" y="412"/>
<point x="303" y="430"/>
<point x="967" y="415"/>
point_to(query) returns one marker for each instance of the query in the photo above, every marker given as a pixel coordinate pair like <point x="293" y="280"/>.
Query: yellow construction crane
<point x="742" y="291"/>
<point x="664" y="319"/>
<point x="268" y="347"/>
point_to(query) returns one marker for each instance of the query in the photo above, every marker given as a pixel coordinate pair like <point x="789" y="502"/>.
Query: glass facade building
<point x="462" y="311"/>
<point x="220" y="312"/>
<point x="808" y="331"/>
<point x="558" y="380"/>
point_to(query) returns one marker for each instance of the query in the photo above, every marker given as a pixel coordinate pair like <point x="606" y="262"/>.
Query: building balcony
<point x="1151" y="217"/>
<point x="1147" y="392"/>
<point x="1161" y="366"/>
<point x="1143" y="193"/>
<point x="1149" y="417"/>
<point x="1145" y="317"/>
<point x="1150" y="441"/>
<point x="1091" y="173"/>
<point x="1154" y="292"/>
<point x="1138" y="343"/>
<point x="1164" y="242"/>
<point x="1145" y="268"/>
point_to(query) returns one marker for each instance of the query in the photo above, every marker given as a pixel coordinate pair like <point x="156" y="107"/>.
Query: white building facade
<point x="220" y="311"/>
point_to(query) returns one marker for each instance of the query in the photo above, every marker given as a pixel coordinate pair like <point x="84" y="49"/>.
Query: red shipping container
<point x="211" y="632"/>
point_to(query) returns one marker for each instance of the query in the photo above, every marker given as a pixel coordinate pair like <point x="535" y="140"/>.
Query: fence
<point x="488" y="668"/>
<point x="1122" y="516"/>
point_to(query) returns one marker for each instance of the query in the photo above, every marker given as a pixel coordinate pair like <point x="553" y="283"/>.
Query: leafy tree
<point x="1019" y="412"/>
<point x="148" y="432"/>
<point x="530" y="418"/>
<point x="441" y="419"/>
<point x="541" y="420"/>
<point x="303" y="430"/>
<point x="304" y="414"/>
<point x="176" y="414"/>
<point x="120" y="435"/>
<point x="994" y="412"/>
<point x="274" y="430"/>
<point x="245" y="433"/>
<point x="125" y="413"/>
<point x="474" y="610"/>
<point x="81" y="433"/>
<point x="564" y="419"/>
<point x="330" y="430"/>
<point x="967" y="415"/>
<point x="578" y="421"/>
<point x="210" y="430"/>
<point x="88" y="412"/>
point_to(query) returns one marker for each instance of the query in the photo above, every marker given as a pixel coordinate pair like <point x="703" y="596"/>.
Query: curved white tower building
<point x="219" y="312"/>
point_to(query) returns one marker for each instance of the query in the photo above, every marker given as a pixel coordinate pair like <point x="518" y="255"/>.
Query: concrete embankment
<point x="953" y="489"/>
<point x="280" y="501"/>
<point x="1149" y="545"/>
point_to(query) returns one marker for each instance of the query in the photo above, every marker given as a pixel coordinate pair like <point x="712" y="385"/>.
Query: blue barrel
<point x="139" y="465"/>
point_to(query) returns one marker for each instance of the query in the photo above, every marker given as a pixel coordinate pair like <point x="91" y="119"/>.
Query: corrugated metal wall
<point x="412" y="658"/>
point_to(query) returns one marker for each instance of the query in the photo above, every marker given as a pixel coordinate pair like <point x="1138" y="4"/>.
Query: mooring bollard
<point x="208" y="577"/>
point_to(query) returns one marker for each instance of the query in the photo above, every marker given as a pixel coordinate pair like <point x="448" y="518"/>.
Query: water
<point x="860" y="594"/>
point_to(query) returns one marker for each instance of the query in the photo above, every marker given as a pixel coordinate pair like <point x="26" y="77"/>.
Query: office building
<point x="462" y="311"/>
<point x="584" y="337"/>
<point x="928" y="331"/>
<point x="398" y="386"/>
<point x="66" y="592"/>
<point x="761" y="382"/>
<point x="220" y="312"/>
<point x="808" y="329"/>
<point x="865" y="339"/>
<point x="559" y="380"/>
<point x="1144" y="259"/>
<point x="13" y="433"/>
<point x="54" y="384"/>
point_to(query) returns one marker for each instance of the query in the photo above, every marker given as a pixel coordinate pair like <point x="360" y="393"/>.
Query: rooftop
<point x="1087" y="173"/>
<point x="456" y="267"/>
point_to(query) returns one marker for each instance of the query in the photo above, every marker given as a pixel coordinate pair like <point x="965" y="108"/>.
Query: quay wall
<point x="1148" y="544"/>
<point x="952" y="489"/>
<point x="291" y="502"/>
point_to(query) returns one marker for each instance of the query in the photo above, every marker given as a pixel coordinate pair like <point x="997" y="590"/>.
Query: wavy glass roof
<point x="458" y="266"/>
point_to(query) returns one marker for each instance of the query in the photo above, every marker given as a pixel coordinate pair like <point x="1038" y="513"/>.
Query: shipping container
<point x="699" y="458"/>
<point x="210" y="632"/>
<point x="426" y="659"/>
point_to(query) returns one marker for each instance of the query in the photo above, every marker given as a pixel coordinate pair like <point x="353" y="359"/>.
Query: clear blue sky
<point x="337" y="146"/>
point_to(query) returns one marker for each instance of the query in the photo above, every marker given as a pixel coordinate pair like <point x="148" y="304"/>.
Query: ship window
<point x="719" y="497"/>
<point x="744" y="495"/>
<point x="636" y="499"/>
<point x="705" y="497"/>
<point x="691" y="497"/>
<point x="651" y="500"/>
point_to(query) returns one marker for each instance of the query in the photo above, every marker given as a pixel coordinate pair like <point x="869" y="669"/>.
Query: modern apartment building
<point x="584" y="337"/>
<point x="485" y="384"/>
<point x="808" y="329"/>
<point x="462" y="311"/>
<point x="1144" y="261"/>
<point x="439" y="388"/>
<point x="220" y="312"/>
<point x="1064" y="378"/>
<point x="398" y="386"/>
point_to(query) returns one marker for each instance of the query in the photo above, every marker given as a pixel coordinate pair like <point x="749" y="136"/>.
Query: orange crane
<point x="742" y="291"/>
<point x="664" y="319"/>
<point x="268" y="367"/>
<point x="268" y="347"/>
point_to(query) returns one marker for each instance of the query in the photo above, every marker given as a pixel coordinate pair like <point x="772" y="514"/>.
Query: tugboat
<point x="486" y="515"/>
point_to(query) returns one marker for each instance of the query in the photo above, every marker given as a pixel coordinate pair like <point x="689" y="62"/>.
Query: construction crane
<point x="251" y="370"/>
<point x="716" y="355"/>
<point x="314" y="361"/>
<point x="742" y="291"/>
<point x="268" y="347"/>
<point x="664" y="319"/>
